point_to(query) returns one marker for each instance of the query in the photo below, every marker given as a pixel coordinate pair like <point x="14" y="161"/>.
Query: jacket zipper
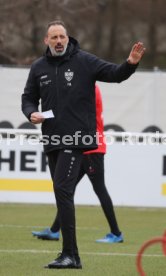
<point x="57" y="92"/>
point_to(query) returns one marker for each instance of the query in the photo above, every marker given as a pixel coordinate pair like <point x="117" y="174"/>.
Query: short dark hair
<point x="56" y="22"/>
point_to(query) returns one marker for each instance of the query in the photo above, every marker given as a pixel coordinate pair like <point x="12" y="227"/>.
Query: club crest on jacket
<point x="69" y="75"/>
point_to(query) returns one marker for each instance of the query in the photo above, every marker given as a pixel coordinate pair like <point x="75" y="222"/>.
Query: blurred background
<point x="107" y="28"/>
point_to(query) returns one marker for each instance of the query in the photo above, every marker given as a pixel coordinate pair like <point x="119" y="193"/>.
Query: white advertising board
<point x="135" y="174"/>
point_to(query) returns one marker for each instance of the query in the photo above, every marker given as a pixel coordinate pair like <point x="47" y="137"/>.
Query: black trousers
<point x="93" y="166"/>
<point x="64" y="167"/>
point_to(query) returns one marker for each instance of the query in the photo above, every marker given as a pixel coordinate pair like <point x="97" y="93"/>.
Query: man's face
<point x="57" y="40"/>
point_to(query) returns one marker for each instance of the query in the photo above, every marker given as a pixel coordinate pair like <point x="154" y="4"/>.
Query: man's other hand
<point x="37" y="118"/>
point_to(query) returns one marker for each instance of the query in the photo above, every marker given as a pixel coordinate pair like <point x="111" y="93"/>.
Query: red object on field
<point x="144" y="246"/>
<point x="164" y="243"/>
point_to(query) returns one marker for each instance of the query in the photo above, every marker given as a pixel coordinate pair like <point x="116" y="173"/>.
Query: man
<point x="64" y="80"/>
<point x="93" y="166"/>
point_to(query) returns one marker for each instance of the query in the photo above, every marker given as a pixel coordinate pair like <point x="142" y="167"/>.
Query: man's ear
<point x="46" y="40"/>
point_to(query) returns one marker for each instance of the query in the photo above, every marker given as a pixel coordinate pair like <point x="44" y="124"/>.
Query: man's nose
<point x="59" y="40"/>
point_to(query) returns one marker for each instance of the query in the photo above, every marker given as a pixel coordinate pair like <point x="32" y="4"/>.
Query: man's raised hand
<point x="136" y="53"/>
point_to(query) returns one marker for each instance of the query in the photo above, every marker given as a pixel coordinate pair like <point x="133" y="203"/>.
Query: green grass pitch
<point x="23" y="255"/>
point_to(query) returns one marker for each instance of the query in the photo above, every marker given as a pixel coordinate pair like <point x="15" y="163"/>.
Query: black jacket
<point x="66" y="85"/>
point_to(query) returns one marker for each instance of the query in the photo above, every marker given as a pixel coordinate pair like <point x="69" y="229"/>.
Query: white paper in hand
<point x="48" y="114"/>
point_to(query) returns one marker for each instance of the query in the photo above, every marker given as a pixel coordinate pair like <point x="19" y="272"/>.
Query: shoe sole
<point x="109" y="242"/>
<point x="47" y="238"/>
<point x="62" y="267"/>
